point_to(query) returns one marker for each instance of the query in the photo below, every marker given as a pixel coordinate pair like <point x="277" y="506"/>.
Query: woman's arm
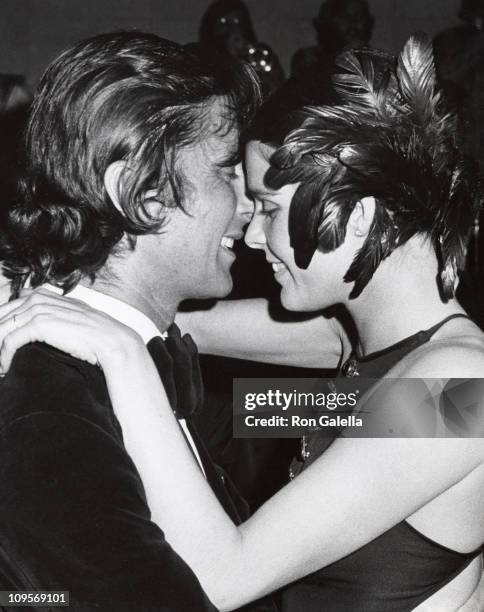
<point x="348" y="497"/>
<point x="246" y="329"/>
<point x="357" y="490"/>
<point x="352" y="494"/>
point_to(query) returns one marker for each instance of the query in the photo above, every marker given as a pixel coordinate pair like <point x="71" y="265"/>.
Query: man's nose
<point x="245" y="206"/>
<point x="255" y="236"/>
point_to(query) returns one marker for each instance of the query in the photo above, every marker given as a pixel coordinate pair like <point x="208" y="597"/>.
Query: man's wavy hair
<point x="124" y="96"/>
<point x="389" y="137"/>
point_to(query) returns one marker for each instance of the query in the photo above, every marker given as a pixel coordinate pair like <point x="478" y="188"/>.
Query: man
<point x="128" y="203"/>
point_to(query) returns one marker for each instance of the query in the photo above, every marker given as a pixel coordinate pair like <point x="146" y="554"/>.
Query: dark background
<point x="32" y="32"/>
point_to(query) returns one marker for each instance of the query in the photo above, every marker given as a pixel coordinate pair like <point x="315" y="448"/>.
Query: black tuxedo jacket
<point x="73" y="512"/>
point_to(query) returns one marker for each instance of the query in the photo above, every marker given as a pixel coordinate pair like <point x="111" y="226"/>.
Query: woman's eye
<point x="269" y="211"/>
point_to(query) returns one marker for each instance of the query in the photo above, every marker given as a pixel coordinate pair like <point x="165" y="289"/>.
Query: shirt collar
<point x="119" y="310"/>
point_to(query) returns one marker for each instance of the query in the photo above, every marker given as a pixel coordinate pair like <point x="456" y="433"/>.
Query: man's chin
<point x="225" y="288"/>
<point x="216" y="290"/>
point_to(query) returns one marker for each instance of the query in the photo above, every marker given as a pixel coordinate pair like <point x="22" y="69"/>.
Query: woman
<point x="368" y="204"/>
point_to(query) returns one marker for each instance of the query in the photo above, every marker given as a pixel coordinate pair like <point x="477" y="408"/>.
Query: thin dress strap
<point x="377" y="364"/>
<point x="431" y="331"/>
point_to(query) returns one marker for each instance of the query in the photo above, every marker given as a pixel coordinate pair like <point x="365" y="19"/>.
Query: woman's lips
<point x="278" y="268"/>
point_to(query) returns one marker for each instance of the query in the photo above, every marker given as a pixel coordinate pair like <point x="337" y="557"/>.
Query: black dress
<point x="398" y="570"/>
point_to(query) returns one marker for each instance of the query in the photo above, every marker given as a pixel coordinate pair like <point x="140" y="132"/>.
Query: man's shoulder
<point x="43" y="379"/>
<point x="42" y="355"/>
<point x="39" y="366"/>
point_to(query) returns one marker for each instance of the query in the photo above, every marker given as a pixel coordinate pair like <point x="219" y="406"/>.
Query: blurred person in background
<point x="226" y="26"/>
<point x="459" y="58"/>
<point x="339" y="25"/>
<point x="15" y="99"/>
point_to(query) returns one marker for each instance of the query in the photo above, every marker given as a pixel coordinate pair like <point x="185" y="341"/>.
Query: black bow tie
<point x="176" y="360"/>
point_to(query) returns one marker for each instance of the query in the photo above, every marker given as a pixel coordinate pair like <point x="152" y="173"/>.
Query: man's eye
<point x="230" y="173"/>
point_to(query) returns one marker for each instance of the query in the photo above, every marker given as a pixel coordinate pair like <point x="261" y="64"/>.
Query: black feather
<point x="391" y="138"/>
<point x="379" y="244"/>
<point x="417" y="78"/>
<point x="366" y="86"/>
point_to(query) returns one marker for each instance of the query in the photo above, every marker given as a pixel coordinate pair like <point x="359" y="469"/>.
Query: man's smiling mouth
<point x="227" y="242"/>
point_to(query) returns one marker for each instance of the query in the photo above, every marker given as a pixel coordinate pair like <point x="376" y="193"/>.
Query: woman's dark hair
<point x="128" y="97"/>
<point x="278" y="115"/>
<point x="391" y="137"/>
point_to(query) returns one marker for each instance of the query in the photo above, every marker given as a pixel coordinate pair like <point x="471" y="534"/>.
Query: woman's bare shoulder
<point x="454" y="356"/>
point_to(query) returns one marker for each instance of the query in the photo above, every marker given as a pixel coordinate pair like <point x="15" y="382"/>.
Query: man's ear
<point x="114" y="179"/>
<point x="362" y="217"/>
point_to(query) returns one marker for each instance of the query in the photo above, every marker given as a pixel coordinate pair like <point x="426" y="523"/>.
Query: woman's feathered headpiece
<point x="390" y="137"/>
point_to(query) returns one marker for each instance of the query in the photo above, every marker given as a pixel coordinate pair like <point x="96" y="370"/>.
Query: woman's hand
<point x="67" y="324"/>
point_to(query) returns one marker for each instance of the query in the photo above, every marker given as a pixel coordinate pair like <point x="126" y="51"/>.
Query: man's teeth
<point x="277" y="267"/>
<point x="227" y="242"/>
